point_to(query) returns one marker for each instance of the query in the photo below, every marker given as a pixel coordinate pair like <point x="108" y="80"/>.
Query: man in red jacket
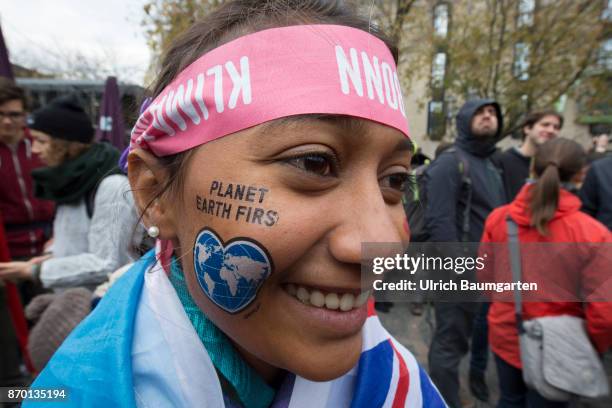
<point x="27" y="220"/>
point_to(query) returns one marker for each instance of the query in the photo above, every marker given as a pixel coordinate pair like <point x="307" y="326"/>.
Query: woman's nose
<point x="367" y="220"/>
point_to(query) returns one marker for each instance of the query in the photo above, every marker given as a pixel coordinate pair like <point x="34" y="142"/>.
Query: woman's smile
<point x="332" y="314"/>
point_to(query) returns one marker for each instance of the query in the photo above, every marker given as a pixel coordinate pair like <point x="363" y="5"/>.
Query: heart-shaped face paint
<point x="230" y="273"/>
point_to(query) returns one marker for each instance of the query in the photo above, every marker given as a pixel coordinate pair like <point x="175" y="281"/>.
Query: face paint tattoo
<point x="238" y="191"/>
<point x="220" y="208"/>
<point x="231" y="273"/>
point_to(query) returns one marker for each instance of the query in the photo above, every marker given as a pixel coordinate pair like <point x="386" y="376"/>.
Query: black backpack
<point x="415" y="198"/>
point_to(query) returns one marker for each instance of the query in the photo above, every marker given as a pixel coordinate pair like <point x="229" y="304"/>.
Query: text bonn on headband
<point x="270" y="74"/>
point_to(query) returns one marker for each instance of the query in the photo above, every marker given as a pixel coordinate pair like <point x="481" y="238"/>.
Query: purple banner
<point x="5" y="65"/>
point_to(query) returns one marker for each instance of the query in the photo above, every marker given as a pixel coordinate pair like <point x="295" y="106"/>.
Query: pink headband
<point x="270" y="74"/>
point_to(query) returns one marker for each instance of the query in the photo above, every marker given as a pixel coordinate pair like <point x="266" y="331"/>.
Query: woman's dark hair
<point x="237" y="18"/>
<point x="556" y="162"/>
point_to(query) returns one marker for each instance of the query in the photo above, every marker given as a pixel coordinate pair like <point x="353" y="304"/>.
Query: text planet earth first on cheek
<point x="240" y="213"/>
<point x="240" y="192"/>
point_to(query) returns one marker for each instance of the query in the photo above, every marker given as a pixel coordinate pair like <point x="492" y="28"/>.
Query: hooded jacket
<point x="446" y="198"/>
<point x="596" y="192"/>
<point x="569" y="268"/>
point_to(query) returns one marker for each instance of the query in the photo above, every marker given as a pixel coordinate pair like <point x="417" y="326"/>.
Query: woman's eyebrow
<point x="269" y="131"/>
<point x="275" y="128"/>
<point x="345" y="126"/>
<point x="405" y="144"/>
<point x="342" y="122"/>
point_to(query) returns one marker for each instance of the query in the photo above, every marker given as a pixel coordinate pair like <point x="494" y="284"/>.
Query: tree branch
<point x="493" y="8"/>
<point x="500" y="47"/>
<point x="403" y="10"/>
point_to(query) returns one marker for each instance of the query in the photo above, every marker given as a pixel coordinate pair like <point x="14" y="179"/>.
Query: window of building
<point x="441" y="19"/>
<point x="521" y="61"/>
<point x="607" y="12"/>
<point x="436" y="120"/>
<point x="438" y="70"/>
<point x="472" y="93"/>
<point x="604" y="58"/>
<point x="525" y="12"/>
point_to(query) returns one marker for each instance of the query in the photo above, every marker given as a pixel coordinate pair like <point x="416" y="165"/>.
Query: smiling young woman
<point x="326" y="184"/>
<point x="275" y="144"/>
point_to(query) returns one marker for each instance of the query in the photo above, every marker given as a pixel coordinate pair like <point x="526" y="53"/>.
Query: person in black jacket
<point x="537" y="128"/>
<point x="479" y="127"/>
<point x="596" y="191"/>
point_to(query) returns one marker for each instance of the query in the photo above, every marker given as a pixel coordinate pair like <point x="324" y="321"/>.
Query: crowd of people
<point x="68" y="215"/>
<point x="550" y="189"/>
<point x="219" y="259"/>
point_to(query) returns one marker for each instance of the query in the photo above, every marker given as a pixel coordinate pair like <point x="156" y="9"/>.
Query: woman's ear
<point x="148" y="178"/>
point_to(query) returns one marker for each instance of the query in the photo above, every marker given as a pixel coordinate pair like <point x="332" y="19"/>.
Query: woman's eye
<point x="396" y="181"/>
<point x="315" y="163"/>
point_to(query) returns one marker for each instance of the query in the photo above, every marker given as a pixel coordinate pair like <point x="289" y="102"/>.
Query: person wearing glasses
<point x="27" y="220"/>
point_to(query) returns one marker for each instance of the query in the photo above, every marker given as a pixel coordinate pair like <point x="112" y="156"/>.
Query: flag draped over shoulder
<point x="112" y="354"/>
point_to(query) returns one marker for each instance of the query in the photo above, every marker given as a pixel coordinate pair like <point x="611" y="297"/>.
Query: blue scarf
<point x="250" y="388"/>
<point x="95" y="362"/>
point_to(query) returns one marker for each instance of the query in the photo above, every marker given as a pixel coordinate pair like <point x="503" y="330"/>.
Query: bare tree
<point x="60" y="62"/>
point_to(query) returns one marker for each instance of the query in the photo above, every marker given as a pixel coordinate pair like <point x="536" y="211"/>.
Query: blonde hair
<point x="61" y="151"/>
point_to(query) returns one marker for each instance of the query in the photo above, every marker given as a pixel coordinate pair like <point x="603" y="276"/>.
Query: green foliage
<point x="563" y="40"/>
<point x="166" y="19"/>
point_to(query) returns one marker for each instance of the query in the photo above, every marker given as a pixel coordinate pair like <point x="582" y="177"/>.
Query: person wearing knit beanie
<point x="64" y="118"/>
<point x="62" y="130"/>
<point x="95" y="221"/>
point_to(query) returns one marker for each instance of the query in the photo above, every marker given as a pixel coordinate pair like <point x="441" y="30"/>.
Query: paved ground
<point x="415" y="332"/>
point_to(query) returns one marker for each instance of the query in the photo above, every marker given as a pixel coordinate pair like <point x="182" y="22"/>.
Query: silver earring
<point x="153" y="231"/>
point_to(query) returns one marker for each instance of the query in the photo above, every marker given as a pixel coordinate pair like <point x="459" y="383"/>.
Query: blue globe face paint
<point x="230" y="273"/>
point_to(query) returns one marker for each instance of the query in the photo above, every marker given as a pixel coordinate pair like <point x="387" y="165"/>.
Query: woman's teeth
<point x="332" y="301"/>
